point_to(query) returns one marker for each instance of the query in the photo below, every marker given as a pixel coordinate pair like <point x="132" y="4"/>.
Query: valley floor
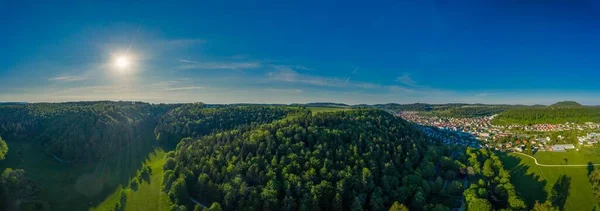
<point x="149" y="195"/>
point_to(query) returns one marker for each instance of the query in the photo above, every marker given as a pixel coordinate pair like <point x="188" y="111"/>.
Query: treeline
<point x="90" y="131"/>
<point x="551" y="115"/>
<point x="82" y="131"/>
<point x="399" y="107"/>
<point x="491" y="187"/>
<point x="193" y="120"/>
<point x="352" y="160"/>
<point x="14" y="185"/>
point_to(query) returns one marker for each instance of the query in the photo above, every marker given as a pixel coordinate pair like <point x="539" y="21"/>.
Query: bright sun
<point x="122" y="62"/>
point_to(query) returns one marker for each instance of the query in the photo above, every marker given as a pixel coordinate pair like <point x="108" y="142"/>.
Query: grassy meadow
<point x="535" y="183"/>
<point x="148" y="195"/>
<point x="573" y="157"/>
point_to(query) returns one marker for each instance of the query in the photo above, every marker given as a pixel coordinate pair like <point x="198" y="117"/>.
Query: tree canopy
<point x="3" y="149"/>
<point x="551" y="114"/>
<point x="351" y="160"/>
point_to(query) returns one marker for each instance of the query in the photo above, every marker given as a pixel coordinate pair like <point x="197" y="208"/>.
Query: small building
<point x="562" y="147"/>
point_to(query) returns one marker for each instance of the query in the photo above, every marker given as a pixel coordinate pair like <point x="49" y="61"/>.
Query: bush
<point x="123" y="197"/>
<point x="168" y="178"/>
<point x="170" y="164"/>
<point x="117" y="207"/>
<point x="134" y="184"/>
<point x="178" y="192"/>
<point x="215" y="207"/>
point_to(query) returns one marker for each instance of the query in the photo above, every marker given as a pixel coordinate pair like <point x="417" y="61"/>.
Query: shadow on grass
<point x="122" y="166"/>
<point x="528" y="185"/>
<point x="560" y="191"/>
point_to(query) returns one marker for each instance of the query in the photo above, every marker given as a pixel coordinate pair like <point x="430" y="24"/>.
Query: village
<point x="479" y="132"/>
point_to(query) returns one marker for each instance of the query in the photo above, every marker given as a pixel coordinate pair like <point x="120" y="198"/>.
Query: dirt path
<point x="61" y="160"/>
<point x="546" y="165"/>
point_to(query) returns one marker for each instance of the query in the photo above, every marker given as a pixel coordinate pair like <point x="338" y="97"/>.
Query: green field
<point x="536" y="182"/>
<point x="149" y="195"/>
<point x="581" y="157"/>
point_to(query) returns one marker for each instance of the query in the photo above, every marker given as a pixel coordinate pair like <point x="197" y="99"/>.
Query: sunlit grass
<point x="581" y="157"/>
<point x="148" y="196"/>
<point x="535" y="182"/>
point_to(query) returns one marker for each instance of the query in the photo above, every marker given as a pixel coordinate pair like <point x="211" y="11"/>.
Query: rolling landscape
<point x="140" y="156"/>
<point x="237" y="105"/>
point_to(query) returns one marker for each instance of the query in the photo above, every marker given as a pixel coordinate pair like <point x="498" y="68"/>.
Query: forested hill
<point x="350" y="160"/>
<point x="193" y="120"/>
<point x="80" y="131"/>
<point x="566" y="104"/>
<point x="550" y="114"/>
<point x="456" y="110"/>
<point x="88" y="131"/>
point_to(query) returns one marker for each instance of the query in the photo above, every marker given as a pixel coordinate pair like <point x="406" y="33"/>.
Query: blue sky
<point x="527" y="52"/>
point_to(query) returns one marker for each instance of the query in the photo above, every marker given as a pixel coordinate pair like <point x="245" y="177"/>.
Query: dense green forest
<point x="351" y="160"/>
<point x="550" y="114"/>
<point x="82" y="131"/>
<point x="258" y="157"/>
<point x="566" y="104"/>
<point x="193" y="120"/>
<point x="117" y="134"/>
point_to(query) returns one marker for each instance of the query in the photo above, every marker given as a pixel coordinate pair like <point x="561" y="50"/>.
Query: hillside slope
<point x="350" y="160"/>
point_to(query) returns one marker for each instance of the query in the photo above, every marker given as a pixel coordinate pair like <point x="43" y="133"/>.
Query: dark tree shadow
<point x="145" y="176"/>
<point x="560" y="191"/>
<point x="590" y="168"/>
<point x="529" y="186"/>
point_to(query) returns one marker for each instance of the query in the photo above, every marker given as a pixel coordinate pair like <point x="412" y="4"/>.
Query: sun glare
<point x="122" y="62"/>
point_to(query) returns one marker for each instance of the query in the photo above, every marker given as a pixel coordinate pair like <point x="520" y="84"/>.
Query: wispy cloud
<point x="291" y="76"/>
<point x="284" y="90"/>
<point x="400" y="89"/>
<point x="294" y="77"/>
<point x="181" y="42"/>
<point x="353" y="73"/>
<point x="184" y="88"/>
<point x="68" y="78"/>
<point x="406" y="80"/>
<point x="302" y="67"/>
<point x="188" y="61"/>
<point x="355" y="69"/>
<point x="486" y="94"/>
<point x="347" y="79"/>
<point x="190" y="65"/>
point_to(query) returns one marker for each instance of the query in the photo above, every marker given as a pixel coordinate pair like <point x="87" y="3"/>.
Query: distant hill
<point x="13" y="103"/>
<point x="322" y="104"/>
<point x="457" y="110"/>
<point x="552" y="114"/>
<point x="566" y="104"/>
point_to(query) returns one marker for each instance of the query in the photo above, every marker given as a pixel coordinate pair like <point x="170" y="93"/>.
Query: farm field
<point x="149" y="195"/>
<point x="535" y="183"/>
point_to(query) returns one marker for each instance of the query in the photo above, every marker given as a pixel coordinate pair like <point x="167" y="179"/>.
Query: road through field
<point x="546" y="165"/>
